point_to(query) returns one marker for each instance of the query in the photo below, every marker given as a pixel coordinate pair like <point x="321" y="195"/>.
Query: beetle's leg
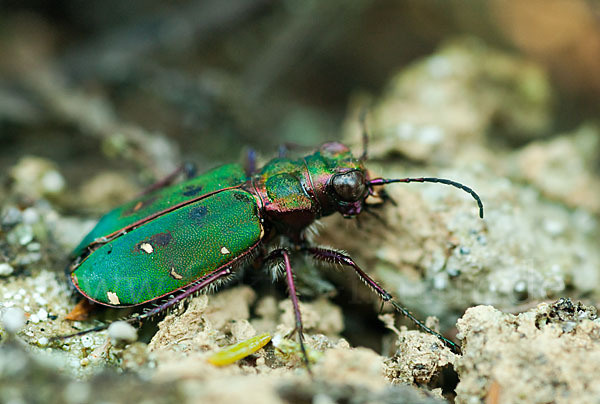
<point x="199" y="285"/>
<point x="370" y="210"/>
<point x="289" y="277"/>
<point x="335" y="257"/>
<point x="81" y="311"/>
<point x="250" y="162"/>
<point x="377" y="217"/>
<point x="365" y="133"/>
<point x="202" y="283"/>
<point x="283" y="150"/>
<point x="385" y="197"/>
<point x="188" y="169"/>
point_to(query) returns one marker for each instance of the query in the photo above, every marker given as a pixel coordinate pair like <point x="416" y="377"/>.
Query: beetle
<point x="177" y="240"/>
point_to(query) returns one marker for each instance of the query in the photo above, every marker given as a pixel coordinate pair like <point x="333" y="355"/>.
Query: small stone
<point x="27" y="259"/>
<point x="42" y="315"/>
<point x="87" y="341"/>
<point x="6" y="269"/>
<point x="30" y="216"/>
<point x="34" y="247"/>
<point x="35" y="177"/>
<point x="11" y="216"/>
<point x="52" y="182"/>
<point x="22" y="234"/>
<point x="322" y="398"/>
<point x="554" y="227"/>
<point x="13" y="320"/>
<point x="122" y="332"/>
<point x="453" y="272"/>
<point x="440" y="282"/>
<point x="42" y="341"/>
<point x="107" y="189"/>
<point x="77" y="391"/>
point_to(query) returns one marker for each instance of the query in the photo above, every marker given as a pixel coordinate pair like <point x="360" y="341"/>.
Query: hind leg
<point x="336" y="257"/>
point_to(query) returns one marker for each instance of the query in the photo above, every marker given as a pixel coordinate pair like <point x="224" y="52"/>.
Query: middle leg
<point x="289" y="277"/>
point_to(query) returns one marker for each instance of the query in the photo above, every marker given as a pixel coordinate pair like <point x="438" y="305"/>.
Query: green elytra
<point x="171" y="251"/>
<point x="147" y="249"/>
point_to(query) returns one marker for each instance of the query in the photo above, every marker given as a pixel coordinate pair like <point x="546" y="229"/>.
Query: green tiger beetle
<point x="177" y="240"/>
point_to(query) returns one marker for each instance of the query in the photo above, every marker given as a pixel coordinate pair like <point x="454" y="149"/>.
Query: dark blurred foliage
<point x="216" y="76"/>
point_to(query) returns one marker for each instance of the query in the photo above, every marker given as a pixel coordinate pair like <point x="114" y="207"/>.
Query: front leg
<point x="336" y="257"/>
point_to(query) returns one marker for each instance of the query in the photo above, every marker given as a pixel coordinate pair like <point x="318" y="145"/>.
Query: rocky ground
<point x="499" y="286"/>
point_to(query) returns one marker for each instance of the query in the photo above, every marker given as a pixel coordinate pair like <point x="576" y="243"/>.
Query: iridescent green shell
<point x="172" y="251"/>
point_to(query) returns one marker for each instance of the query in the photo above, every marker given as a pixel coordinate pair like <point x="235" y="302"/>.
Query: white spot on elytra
<point x="175" y="274"/>
<point x="113" y="298"/>
<point x="224" y="250"/>
<point x="147" y="247"/>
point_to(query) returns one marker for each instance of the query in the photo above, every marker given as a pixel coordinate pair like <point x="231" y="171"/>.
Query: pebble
<point x="554" y="227"/>
<point x="30" y="216"/>
<point x="87" y="341"/>
<point x="122" y="332"/>
<point x="53" y="182"/>
<point x="453" y="272"/>
<point x="11" y="216"/>
<point x="42" y="314"/>
<point x="34" y="247"/>
<point x="35" y="177"/>
<point x="6" y="269"/>
<point x="13" y="320"/>
<point x="77" y="392"/>
<point x="22" y="234"/>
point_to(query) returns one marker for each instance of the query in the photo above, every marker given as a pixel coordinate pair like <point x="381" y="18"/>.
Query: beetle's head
<point x="349" y="189"/>
<point x="345" y="184"/>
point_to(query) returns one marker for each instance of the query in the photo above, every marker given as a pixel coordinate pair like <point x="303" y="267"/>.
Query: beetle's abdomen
<point x="172" y="250"/>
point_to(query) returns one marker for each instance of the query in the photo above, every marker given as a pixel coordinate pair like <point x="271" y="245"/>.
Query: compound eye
<point x="350" y="186"/>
